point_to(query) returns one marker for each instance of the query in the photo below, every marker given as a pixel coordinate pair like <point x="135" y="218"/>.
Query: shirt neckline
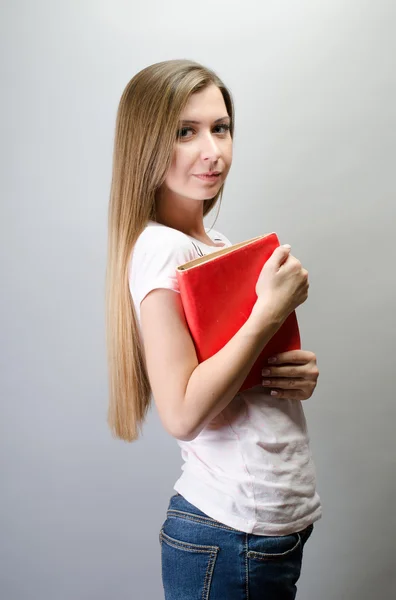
<point x="195" y="239"/>
<point x="204" y="243"/>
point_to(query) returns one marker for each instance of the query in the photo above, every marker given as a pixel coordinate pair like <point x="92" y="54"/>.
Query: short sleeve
<point x="154" y="259"/>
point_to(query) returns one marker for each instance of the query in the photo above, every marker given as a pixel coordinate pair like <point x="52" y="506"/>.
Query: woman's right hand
<point x="282" y="284"/>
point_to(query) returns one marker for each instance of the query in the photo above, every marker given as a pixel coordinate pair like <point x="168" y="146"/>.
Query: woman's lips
<point x="208" y="177"/>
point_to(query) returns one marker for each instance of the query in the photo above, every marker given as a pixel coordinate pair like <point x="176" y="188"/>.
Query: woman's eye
<point x="183" y="131"/>
<point x="224" y="126"/>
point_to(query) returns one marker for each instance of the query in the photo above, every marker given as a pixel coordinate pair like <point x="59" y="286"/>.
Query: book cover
<point x="218" y="294"/>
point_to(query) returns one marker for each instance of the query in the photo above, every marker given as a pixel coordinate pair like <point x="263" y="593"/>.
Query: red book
<point x="218" y="292"/>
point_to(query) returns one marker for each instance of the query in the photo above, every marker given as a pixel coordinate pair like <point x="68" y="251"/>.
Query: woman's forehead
<point x="206" y="105"/>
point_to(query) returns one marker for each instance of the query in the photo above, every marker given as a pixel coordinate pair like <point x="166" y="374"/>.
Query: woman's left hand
<point x="293" y="375"/>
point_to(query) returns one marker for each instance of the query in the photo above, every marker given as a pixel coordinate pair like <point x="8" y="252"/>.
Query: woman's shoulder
<point x="156" y="235"/>
<point x="162" y="245"/>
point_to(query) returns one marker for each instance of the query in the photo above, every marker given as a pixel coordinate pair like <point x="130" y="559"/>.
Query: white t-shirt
<point x="251" y="467"/>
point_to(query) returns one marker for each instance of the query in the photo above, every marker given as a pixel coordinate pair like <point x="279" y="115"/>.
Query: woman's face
<point x="203" y="146"/>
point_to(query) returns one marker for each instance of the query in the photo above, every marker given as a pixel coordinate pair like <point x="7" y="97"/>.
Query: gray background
<point x="314" y="89"/>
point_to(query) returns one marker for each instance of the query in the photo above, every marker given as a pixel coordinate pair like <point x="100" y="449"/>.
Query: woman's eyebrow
<point x="199" y="122"/>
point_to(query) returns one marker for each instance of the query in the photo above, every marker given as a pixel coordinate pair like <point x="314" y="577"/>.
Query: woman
<point x="246" y="502"/>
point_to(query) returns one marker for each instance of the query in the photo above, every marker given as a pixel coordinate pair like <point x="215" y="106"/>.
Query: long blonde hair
<point x="145" y="133"/>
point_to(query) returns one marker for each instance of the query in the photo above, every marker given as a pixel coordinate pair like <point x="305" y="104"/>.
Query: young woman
<point x="246" y="501"/>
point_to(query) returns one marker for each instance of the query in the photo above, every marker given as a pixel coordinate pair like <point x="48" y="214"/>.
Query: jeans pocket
<point x="187" y="568"/>
<point x="274" y="547"/>
<point x="275" y="566"/>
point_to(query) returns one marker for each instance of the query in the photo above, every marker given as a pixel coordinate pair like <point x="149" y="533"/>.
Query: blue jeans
<point x="202" y="559"/>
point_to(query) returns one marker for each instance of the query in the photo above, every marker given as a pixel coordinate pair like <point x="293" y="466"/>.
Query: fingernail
<point x="274" y="393"/>
<point x="266" y="382"/>
<point x="272" y="359"/>
<point x="265" y="371"/>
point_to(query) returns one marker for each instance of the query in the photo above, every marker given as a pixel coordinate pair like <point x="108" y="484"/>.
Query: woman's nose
<point x="210" y="148"/>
